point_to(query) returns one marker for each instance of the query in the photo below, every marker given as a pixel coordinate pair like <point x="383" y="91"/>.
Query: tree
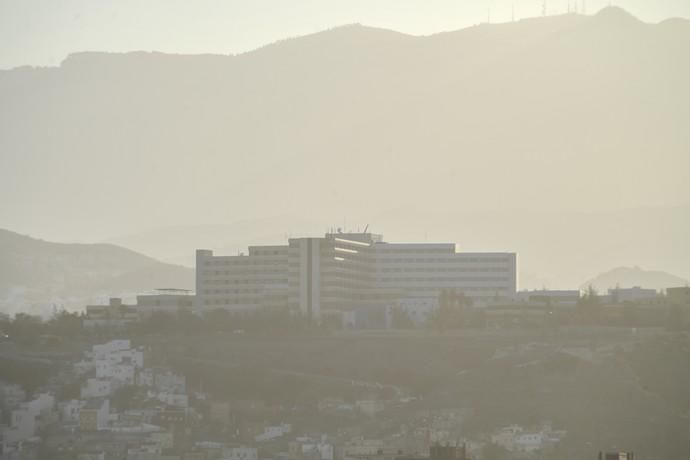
<point x="65" y="324"/>
<point x="26" y="328"/>
<point x="450" y="313"/>
<point x="588" y="305"/>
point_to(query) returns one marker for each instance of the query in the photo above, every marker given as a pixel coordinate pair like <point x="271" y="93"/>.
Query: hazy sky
<point x="43" y="32"/>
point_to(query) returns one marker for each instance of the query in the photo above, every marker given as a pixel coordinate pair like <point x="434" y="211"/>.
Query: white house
<point x="240" y="453"/>
<point x="273" y="432"/>
<point x="179" y="400"/>
<point x="69" y="410"/>
<point x="102" y="350"/>
<point x="24" y="420"/>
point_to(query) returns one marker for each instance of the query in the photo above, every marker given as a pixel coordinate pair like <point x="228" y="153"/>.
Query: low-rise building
<point x="306" y="448"/>
<point x="170" y="301"/>
<point x="94" y="415"/>
<point x="114" y="314"/>
<point x="273" y="432"/>
<point x="369" y="407"/>
<point x="240" y="453"/>
<point x="11" y="395"/>
<point x="178" y="400"/>
<point x="516" y="439"/>
<point x="25" y="420"/>
<point x="69" y="410"/>
<point x="170" y="382"/>
<point x="633" y="294"/>
<point x="548" y="297"/>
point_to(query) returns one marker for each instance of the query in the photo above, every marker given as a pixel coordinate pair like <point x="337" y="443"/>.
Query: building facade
<point x="346" y="272"/>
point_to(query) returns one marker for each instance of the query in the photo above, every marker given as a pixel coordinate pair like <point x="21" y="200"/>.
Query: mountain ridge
<point x="608" y="15"/>
<point x="628" y="277"/>
<point x="37" y="274"/>
<point x="566" y="112"/>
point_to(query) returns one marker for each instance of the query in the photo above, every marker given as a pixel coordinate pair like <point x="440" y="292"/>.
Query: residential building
<point x="633" y="294"/>
<point x="170" y="301"/>
<point x="93" y="416"/>
<point x="170" y="382"/>
<point x="69" y="410"/>
<point x="240" y="453"/>
<point x="145" y="451"/>
<point x="361" y="448"/>
<point x="118" y="314"/>
<point x="114" y="314"/>
<point x="306" y="448"/>
<point x="102" y="350"/>
<point x="97" y="455"/>
<point x="11" y="395"/>
<point x="273" y="432"/>
<point x="369" y="407"/>
<point x="25" y="420"/>
<point x="448" y="451"/>
<point x="616" y="456"/>
<point x="520" y="441"/>
<point x="550" y="298"/>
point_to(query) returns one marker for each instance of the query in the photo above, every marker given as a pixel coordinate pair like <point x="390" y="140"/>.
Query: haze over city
<point x="344" y="230"/>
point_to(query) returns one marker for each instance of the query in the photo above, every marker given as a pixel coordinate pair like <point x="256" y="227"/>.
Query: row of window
<point x="354" y="288"/>
<point x="447" y="269"/>
<point x="231" y="291"/>
<point x="244" y="261"/>
<point x="500" y="267"/>
<point x="445" y="260"/>
<point x="244" y="272"/>
<point x="247" y="281"/>
<point x="446" y="280"/>
<point x="452" y="258"/>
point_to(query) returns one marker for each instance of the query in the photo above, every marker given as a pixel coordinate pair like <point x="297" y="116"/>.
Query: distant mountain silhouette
<point x="556" y="248"/>
<point x="568" y="112"/>
<point x="627" y="277"/>
<point x="35" y="274"/>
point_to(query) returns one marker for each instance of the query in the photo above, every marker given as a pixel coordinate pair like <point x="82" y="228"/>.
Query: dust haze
<point x="344" y="230"/>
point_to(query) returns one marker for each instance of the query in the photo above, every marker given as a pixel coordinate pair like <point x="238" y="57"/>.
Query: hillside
<point x="627" y="277"/>
<point x="35" y="274"/>
<point x="575" y="113"/>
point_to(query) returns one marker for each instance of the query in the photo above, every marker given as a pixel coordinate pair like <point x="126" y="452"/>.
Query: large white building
<point x="343" y="272"/>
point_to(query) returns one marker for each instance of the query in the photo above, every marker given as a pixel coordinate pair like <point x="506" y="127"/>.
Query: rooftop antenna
<point x="584" y="6"/>
<point x="488" y="18"/>
<point x="513" y="13"/>
<point x="543" y="8"/>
